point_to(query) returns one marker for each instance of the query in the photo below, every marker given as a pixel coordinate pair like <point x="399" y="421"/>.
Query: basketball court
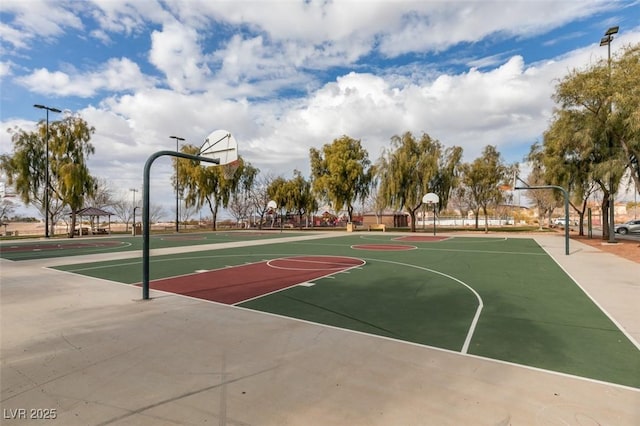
<point x="303" y="346"/>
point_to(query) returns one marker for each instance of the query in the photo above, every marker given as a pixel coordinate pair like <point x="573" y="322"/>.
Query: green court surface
<point x="498" y="298"/>
<point x="41" y="249"/>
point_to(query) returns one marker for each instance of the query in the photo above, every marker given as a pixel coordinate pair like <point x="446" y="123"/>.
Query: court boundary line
<point x="524" y="253"/>
<point x="123" y="244"/>
<point x="422" y="345"/>
<point x="594" y="301"/>
<point x="479" y="239"/>
<point x="392" y="247"/>
<point x="437" y="239"/>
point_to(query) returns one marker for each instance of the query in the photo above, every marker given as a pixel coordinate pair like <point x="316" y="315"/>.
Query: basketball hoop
<point x="222" y="146"/>
<point x="431" y="198"/>
<point x="229" y="169"/>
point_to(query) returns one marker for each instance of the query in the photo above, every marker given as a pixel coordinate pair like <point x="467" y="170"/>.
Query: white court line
<point x="423" y="345"/>
<point x="476" y="317"/>
<point x="595" y="302"/>
<point x="329" y="275"/>
<point x="343" y="267"/>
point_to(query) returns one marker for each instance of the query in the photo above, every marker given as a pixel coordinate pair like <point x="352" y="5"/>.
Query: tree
<point x="123" y="209"/>
<point x="566" y="158"/>
<point x="122" y="206"/>
<point x="156" y="212"/>
<point x="69" y="178"/>
<point x="260" y="196"/>
<point x="483" y="178"/>
<point x="7" y="208"/>
<point x="625" y="116"/>
<point x="102" y="196"/>
<point x="277" y="192"/>
<point x="241" y="202"/>
<point x="603" y="103"/>
<point x="207" y="184"/>
<point x="413" y="168"/>
<point x="187" y="214"/>
<point x="294" y="195"/>
<point x="544" y="200"/>
<point x="375" y="202"/>
<point x="340" y="173"/>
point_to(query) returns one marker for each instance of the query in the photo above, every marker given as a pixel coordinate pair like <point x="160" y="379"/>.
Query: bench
<point x="378" y="226"/>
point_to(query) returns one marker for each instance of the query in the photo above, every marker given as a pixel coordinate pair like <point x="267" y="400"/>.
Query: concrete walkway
<point x="89" y="352"/>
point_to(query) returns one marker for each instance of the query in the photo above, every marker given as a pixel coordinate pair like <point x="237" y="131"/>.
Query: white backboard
<point x="221" y="145"/>
<point x="431" y="198"/>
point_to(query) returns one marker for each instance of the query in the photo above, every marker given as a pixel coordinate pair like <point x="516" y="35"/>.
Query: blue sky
<point x="284" y="76"/>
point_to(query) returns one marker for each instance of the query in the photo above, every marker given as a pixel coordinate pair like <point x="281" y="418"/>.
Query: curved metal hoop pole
<point x="566" y="209"/>
<point x="145" y="209"/>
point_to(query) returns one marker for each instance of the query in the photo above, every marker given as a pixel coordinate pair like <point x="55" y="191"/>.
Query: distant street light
<point x="177" y="138"/>
<point x="134" y="209"/>
<point x="46" y="173"/>
<point x="606" y="41"/>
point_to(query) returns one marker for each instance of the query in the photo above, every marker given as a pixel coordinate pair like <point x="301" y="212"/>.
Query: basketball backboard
<point x="431" y="198"/>
<point x="221" y="145"/>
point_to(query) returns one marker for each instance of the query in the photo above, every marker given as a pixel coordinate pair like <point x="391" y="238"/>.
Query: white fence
<point x="459" y="221"/>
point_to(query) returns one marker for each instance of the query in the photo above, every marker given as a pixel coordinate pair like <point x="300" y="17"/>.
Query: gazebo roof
<point x="93" y="211"/>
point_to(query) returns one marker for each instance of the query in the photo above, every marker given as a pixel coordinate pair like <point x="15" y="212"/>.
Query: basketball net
<point x="229" y="169"/>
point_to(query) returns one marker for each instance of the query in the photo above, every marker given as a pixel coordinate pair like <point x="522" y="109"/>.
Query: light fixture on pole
<point x="177" y="138"/>
<point x="46" y="173"/>
<point x="606" y="41"/>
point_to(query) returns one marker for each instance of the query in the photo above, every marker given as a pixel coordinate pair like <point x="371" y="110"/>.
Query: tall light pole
<point x="606" y="41"/>
<point x="177" y="138"/>
<point x="46" y="173"/>
<point x="134" y="209"/>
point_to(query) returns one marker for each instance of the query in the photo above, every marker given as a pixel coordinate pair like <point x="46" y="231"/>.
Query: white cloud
<point x="436" y="26"/>
<point x="39" y="20"/>
<point x="125" y="16"/>
<point x="176" y="52"/>
<point x="5" y="68"/>
<point x="117" y="75"/>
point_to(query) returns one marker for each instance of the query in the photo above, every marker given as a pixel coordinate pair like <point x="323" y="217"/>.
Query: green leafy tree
<point x="241" y="200"/>
<point x="69" y="179"/>
<point x="278" y="192"/>
<point x="544" y="200"/>
<point x="567" y="158"/>
<point x="414" y="167"/>
<point x="341" y="173"/>
<point x="625" y="114"/>
<point x="601" y="105"/>
<point x="207" y="184"/>
<point x="296" y="196"/>
<point x="483" y="178"/>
